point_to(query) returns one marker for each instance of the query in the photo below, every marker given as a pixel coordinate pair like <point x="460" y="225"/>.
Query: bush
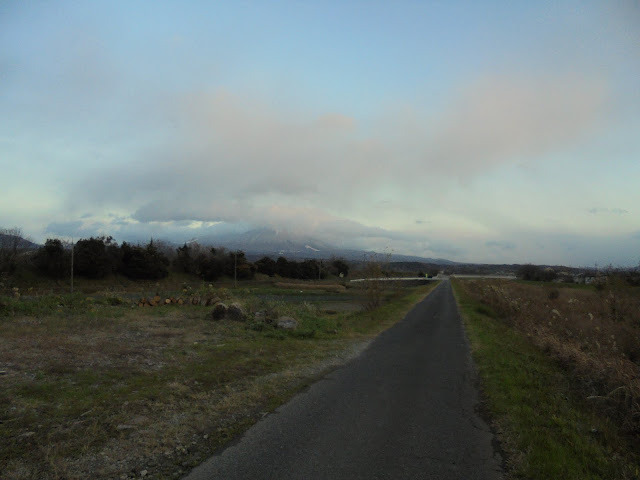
<point x="535" y="273"/>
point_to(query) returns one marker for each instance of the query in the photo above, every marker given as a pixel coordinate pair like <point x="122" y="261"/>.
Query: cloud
<point x="77" y="229"/>
<point x="295" y="220"/>
<point x="225" y="157"/>
<point x="446" y="249"/>
<point x="219" y="146"/>
<point x="608" y="211"/>
<point x="503" y="118"/>
<point x="128" y="229"/>
<point x="223" y="142"/>
<point x="64" y="228"/>
<point x="501" y="245"/>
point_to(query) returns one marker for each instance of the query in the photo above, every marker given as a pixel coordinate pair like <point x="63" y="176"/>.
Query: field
<point x="94" y="385"/>
<point x="560" y="374"/>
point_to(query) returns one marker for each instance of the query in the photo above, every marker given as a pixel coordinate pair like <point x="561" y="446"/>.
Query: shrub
<point x="373" y="285"/>
<point x="535" y="273"/>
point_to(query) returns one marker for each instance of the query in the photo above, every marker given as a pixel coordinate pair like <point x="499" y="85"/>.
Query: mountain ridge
<point x="258" y="243"/>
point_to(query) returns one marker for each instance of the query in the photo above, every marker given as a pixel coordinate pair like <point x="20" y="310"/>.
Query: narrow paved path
<point x="404" y="409"/>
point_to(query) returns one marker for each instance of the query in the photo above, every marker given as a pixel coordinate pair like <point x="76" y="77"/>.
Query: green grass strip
<point x="547" y="430"/>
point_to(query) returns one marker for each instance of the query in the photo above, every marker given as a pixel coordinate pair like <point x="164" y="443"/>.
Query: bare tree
<point x="166" y="248"/>
<point x="10" y="241"/>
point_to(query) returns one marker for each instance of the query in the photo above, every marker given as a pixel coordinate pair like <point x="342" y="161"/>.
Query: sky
<point x="488" y="132"/>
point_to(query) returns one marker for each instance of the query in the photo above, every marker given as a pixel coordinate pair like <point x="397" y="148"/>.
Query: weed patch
<point x="538" y="395"/>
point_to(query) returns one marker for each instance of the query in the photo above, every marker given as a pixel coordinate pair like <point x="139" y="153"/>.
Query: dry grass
<point x="593" y="333"/>
<point x="90" y="389"/>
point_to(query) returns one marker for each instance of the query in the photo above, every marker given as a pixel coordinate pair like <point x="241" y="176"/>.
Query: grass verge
<point x="546" y="427"/>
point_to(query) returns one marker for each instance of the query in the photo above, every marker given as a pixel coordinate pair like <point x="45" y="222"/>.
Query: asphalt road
<point x="404" y="409"/>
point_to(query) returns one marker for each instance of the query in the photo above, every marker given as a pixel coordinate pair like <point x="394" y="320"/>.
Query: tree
<point x="184" y="262"/>
<point x="95" y="257"/>
<point x="158" y="261"/>
<point x="165" y="248"/>
<point x="283" y="268"/>
<point x="237" y="266"/>
<point x="143" y="263"/>
<point x="52" y="259"/>
<point x="266" y="266"/>
<point x="211" y="266"/>
<point x="218" y="262"/>
<point x="10" y="240"/>
<point x="338" y="266"/>
<point x="309" y="269"/>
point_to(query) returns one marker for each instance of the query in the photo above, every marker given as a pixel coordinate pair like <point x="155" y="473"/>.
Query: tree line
<point x="210" y="264"/>
<point x="98" y="257"/>
<point x="101" y="256"/>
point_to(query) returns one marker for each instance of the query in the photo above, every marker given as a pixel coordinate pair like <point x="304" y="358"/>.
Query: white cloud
<point x="226" y="152"/>
<point x="233" y="159"/>
<point x="501" y="119"/>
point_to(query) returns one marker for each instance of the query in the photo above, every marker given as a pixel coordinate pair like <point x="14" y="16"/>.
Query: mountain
<point x="8" y="241"/>
<point x="267" y="242"/>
